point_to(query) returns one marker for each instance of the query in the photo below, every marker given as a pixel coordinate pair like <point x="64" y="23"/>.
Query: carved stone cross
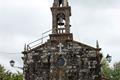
<point x="60" y="47"/>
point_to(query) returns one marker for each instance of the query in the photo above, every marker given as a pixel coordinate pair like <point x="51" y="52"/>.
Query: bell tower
<point x="61" y="12"/>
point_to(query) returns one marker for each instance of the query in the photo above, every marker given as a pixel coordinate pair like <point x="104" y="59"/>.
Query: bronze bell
<point x="60" y="22"/>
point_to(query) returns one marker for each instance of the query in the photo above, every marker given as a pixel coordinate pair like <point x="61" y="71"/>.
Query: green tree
<point x="116" y="71"/>
<point x="2" y="70"/>
<point x="111" y="73"/>
<point x="106" y="70"/>
<point x="17" y="76"/>
<point x="6" y="75"/>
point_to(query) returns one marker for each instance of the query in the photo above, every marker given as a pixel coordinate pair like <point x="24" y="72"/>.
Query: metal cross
<point x="60" y="47"/>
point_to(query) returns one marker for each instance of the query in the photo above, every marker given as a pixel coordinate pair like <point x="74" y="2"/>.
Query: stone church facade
<point x="61" y="57"/>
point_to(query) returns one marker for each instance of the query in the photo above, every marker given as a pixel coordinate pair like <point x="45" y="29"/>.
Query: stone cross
<point x="60" y="47"/>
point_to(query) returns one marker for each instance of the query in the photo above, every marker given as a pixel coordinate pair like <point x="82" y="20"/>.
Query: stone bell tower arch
<point x="61" y="13"/>
<point x="60" y="2"/>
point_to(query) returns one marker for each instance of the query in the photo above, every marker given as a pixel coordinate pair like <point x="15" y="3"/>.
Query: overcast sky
<point x="22" y="21"/>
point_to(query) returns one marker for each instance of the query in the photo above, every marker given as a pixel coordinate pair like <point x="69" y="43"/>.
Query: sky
<point x="23" y="21"/>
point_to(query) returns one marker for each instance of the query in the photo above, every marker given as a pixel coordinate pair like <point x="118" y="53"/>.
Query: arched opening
<point x="60" y="3"/>
<point x="61" y="23"/>
<point x="60" y="19"/>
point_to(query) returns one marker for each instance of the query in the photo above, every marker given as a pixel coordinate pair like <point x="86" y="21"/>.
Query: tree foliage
<point x="116" y="71"/>
<point x="111" y="73"/>
<point x="106" y="70"/>
<point x="6" y="75"/>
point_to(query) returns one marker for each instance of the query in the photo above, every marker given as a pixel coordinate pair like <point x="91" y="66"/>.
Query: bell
<point x="60" y="22"/>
